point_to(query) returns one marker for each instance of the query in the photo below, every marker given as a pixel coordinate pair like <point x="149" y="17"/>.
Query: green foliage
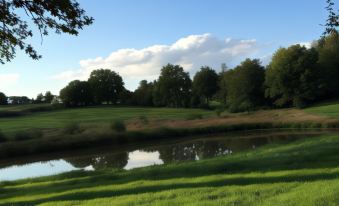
<point x="39" y="99"/>
<point x="59" y="16"/>
<point x="3" y="99"/>
<point x="106" y="86"/>
<point x="205" y="84"/>
<point x="23" y="135"/>
<point x="118" y="126"/>
<point x="292" y="77"/>
<point x="72" y="128"/>
<point x="143" y="95"/>
<point x="48" y="97"/>
<point x="328" y="48"/>
<point x="173" y="88"/>
<point x="77" y="93"/>
<point x="245" y="86"/>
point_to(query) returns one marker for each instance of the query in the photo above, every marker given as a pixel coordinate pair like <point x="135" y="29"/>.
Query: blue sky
<point x="136" y="37"/>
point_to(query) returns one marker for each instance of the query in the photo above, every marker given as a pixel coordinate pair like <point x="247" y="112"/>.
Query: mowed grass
<point x="304" y="172"/>
<point x="325" y="109"/>
<point x="60" y="118"/>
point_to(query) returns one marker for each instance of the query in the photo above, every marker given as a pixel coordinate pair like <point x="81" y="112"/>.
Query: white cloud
<point x="8" y="79"/>
<point x="191" y="52"/>
<point x="308" y="45"/>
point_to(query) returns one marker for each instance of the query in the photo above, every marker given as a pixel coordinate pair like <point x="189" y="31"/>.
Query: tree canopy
<point x="292" y="77"/>
<point x="245" y="86"/>
<point x="173" y="88"/>
<point x="106" y="86"/>
<point x="3" y="99"/>
<point x="205" y="84"/>
<point x="77" y="93"/>
<point x="60" y="16"/>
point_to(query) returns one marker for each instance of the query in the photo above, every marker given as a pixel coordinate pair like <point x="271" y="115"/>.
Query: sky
<point x="136" y="38"/>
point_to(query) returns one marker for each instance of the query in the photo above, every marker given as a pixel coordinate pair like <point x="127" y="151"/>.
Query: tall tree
<point x="332" y="21"/>
<point x="292" y="77"/>
<point x="61" y="16"/>
<point x="39" y="98"/>
<point x="143" y="95"/>
<point x="76" y="93"/>
<point x="48" y="97"/>
<point x="245" y="89"/>
<point x="173" y="88"/>
<point x="106" y="86"/>
<point x="328" y="48"/>
<point x="205" y="84"/>
<point x="3" y="99"/>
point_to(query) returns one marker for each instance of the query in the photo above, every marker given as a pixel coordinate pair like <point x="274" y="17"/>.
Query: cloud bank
<point x="191" y="52"/>
<point x="9" y="79"/>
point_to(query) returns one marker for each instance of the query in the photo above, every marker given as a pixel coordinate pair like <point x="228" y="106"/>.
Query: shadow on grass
<point x="239" y="181"/>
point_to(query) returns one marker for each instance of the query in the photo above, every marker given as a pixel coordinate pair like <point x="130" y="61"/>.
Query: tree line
<point x="296" y="77"/>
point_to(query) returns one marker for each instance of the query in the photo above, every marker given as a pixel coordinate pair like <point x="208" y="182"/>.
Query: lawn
<point x="304" y="172"/>
<point x="60" y="118"/>
<point x="325" y="109"/>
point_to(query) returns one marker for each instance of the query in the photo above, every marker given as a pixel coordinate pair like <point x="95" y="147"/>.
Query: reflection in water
<point x="194" y="149"/>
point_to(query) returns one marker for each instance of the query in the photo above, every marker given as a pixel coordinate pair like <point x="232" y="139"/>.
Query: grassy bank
<point x="305" y="172"/>
<point x="54" y="131"/>
<point x="94" y="115"/>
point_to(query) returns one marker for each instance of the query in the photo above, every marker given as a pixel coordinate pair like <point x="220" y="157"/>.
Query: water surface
<point x="154" y="153"/>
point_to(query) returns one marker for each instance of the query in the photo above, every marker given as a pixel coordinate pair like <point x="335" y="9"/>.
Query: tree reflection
<point x="116" y="160"/>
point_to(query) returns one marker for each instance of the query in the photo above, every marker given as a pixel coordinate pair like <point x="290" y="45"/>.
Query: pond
<point x="152" y="153"/>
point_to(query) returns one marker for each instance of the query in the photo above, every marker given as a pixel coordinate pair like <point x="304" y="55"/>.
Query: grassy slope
<point x="56" y="119"/>
<point x="305" y="172"/>
<point x="326" y="109"/>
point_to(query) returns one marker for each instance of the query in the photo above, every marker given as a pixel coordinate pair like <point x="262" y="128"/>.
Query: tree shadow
<point x="238" y="181"/>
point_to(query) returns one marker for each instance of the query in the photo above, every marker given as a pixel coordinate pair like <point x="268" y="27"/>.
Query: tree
<point x="143" y="95"/>
<point x="205" y="84"/>
<point x="76" y="93"/>
<point x="48" y="97"/>
<point x="223" y="78"/>
<point x="292" y="77"/>
<point x="332" y="21"/>
<point x="328" y="49"/>
<point x="245" y="89"/>
<point x="173" y="88"/>
<point x="106" y="86"/>
<point x="39" y="99"/>
<point x="3" y="99"/>
<point x="61" y="16"/>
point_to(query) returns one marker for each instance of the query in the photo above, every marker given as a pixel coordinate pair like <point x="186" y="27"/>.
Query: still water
<point x="130" y="157"/>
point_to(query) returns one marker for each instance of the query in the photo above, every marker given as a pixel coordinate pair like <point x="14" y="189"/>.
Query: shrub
<point x="194" y="116"/>
<point x="2" y="137"/>
<point x="28" y="134"/>
<point x="219" y="111"/>
<point x="118" y="126"/>
<point x="72" y="128"/>
<point x="143" y="119"/>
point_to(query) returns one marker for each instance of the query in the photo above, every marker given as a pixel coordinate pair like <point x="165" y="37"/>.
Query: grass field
<point x="60" y="118"/>
<point x="304" y="172"/>
<point x="326" y="109"/>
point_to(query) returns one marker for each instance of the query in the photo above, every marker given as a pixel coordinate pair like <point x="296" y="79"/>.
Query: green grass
<point x="325" y="109"/>
<point x="304" y="172"/>
<point x="60" y="118"/>
<point x="22" y="107"/>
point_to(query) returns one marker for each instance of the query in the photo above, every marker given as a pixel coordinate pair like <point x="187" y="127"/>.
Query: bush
<point x="194" y="116"/>
<point x="2" y="137"/>
<point x="28" y="134"/>
<point x="219" y="111"/>
<point x="118" y="126"/>
<point x="143" y="119"/>
<point x="72" y="128"/>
